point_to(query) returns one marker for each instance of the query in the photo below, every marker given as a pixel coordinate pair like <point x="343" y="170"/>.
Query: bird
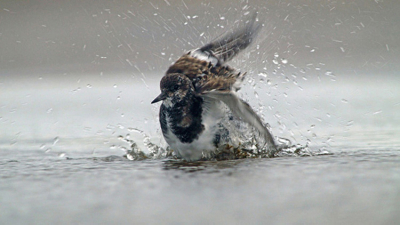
<point x="196" y="88"/>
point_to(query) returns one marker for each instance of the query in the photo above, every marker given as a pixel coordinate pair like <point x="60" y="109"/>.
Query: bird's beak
<point x="162" y="96"/>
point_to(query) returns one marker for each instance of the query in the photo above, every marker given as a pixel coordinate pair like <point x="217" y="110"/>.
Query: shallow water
<point x="357" y="186"/>
<point x="66" y="165"/>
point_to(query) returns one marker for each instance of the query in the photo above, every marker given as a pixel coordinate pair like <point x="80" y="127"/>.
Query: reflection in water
<point x="208" y="166"/>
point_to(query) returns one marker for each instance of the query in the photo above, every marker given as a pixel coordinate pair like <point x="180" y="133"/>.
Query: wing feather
<point x="229" y="44"/>
<point x="241" y="109"/>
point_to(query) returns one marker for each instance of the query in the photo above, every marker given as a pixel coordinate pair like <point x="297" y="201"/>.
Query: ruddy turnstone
<point x="194" y="90"/>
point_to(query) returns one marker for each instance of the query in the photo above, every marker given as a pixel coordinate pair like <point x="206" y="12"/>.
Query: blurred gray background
<point x="91" y="36"/>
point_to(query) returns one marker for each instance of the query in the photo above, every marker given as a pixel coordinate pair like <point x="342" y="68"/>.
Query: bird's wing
<point x="208" y="61"/>
<point x="242" y="110"/>
<point x="205" y="76"/>
<point x="229" y="44"/>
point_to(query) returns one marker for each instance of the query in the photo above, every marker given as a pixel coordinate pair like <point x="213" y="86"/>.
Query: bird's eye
<point x="175" y="87"/>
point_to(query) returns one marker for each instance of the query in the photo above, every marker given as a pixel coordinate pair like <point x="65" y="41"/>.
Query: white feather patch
<point x="206" y="56"/>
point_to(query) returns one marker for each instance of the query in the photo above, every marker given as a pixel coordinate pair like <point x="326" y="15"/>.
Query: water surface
<point x="66" y="165"/>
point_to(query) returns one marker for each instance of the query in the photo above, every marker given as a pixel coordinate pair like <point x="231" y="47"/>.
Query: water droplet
<point x="262" y="75"/>
<point x="284" y="61"/>
<point x="256" y="94"/>
<point x="55" y="140"/>
<point x="115" y="86"/>
<point x="162" y="53"/>
<point x="129" y="156"/>
<point x="377" y="112"/>
<point x="131" y="129"/>
<point x="344" y="100"/>
<point x="222" y="17"/>
<point x="89" y="86"/>
<point x="329" y="73"/>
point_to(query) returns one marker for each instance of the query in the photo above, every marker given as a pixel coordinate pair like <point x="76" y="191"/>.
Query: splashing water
<point x="243" y="142"/>
<point x="135" y="153"/>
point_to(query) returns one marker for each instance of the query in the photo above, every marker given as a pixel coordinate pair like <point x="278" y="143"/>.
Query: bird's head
<point x="174" y="88"/>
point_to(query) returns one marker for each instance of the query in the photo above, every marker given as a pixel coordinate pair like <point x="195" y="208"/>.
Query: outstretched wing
<point x="242" y="110"/>
<point x="205" y="65"/>
<point x="228" y="45"/>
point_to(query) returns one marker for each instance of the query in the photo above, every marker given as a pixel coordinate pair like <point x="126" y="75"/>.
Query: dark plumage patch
<point x="187" y="130"/>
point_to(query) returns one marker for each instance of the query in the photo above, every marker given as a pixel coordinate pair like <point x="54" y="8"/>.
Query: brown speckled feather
<point x="204" y="75"/>
<point x="205" y="66"/>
